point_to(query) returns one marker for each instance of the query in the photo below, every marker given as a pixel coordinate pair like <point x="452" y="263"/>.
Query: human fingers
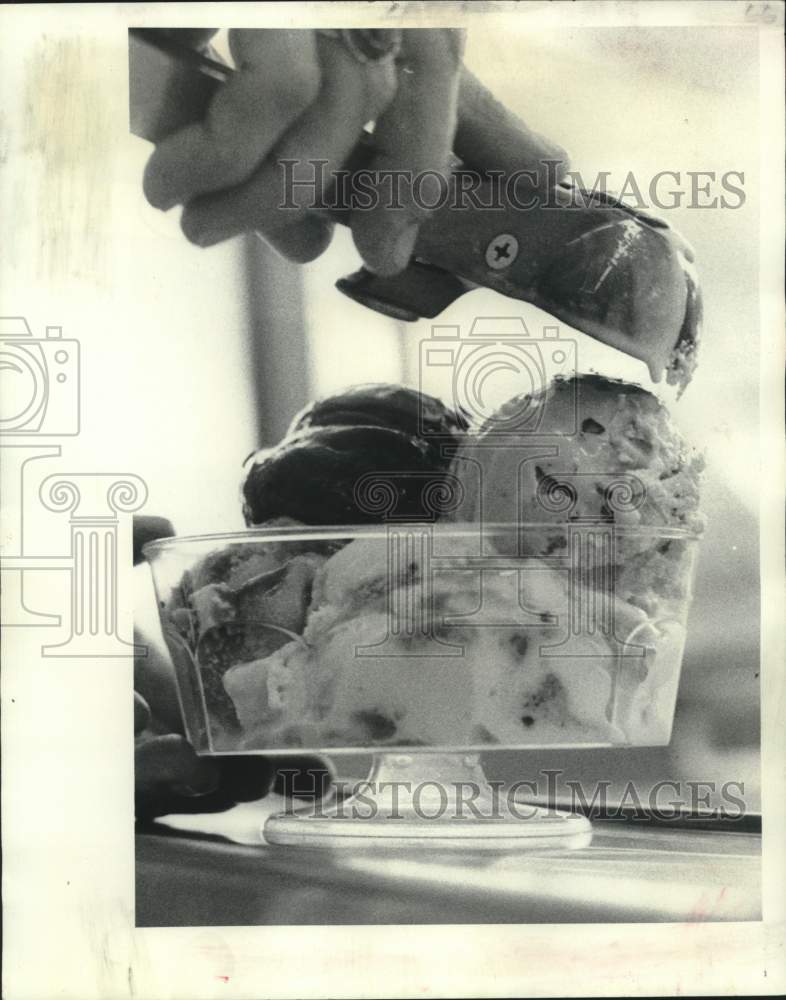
<point x="277" y="78"/>
<point x="304" y="777"/>
<point x="244" y="778"/>
<point x="154" y="682"/>
<point x="169" y="762"/>
<point x="170" y="778"/>
<point x="191" y="38"/>
<point x="146" y="529"/>
<point x="142" y="716"/>
<point x="275" y="200"/>
<point x="414" y="135"/>
<point x="490" y="136"/>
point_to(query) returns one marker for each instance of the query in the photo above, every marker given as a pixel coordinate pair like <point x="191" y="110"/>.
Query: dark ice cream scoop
<point x="341" y="475"/>
<point x="384" y="405"/>
<point x="360" y="456"/>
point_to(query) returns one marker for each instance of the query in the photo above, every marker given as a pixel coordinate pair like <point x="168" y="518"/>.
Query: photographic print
<point x="392" y="499"/>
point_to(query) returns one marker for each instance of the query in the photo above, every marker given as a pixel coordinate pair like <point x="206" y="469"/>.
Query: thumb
<point x="142" y="716"/>
<point x="490" y="137"/>
<point x="147" y="528"/>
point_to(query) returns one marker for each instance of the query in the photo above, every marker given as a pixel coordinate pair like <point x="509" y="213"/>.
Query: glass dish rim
<point x="293" y="533"/>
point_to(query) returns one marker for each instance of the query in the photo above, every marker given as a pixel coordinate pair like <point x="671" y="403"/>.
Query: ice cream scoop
<point x="437" y="650"/>
<point x="583" y="448"/>
<point x="619" y="274"/>
<point x="599" y="472"/>
<point x="238" y="604"/>
<point x="384" y="405"/>
<point x="356" y="457"/>
<point x="317" y="476"/>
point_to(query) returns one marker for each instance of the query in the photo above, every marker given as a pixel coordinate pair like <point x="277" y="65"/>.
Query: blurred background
<point x="193" y="358"/>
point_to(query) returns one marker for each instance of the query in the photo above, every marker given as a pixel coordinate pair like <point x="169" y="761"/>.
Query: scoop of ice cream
<point x="402" y="652"/>
<point x="238" y="605"/>
<point x="590" y="451"/>
<point x="364" y="574"/>
<point x="585" y="447"/>
<point x="355" y="458"/>
<point x="267" y="691"/>
<point x="384" y="405"/>
<point x="342" y="475"/>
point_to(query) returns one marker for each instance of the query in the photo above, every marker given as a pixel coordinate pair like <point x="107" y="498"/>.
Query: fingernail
<point x="157" y="194"/>
<point x="142" y="715"/>
<point x="302" y="241"/>
<point x="164" y="204"/>
<point x="186" y="791"/>
<point x="404" y="246"/>
<point x="196" y="231"/>
<point x="395" y="253"/>
<point x="204" y="782"/>
<point x="190" y="792"/>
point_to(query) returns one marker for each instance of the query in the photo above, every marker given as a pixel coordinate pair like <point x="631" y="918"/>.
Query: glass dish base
<point x="422" y="800"/>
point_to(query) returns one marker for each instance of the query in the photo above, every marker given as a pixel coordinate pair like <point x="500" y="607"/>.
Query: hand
<point x="169" y="777"/>
<point x="300" y="95"/>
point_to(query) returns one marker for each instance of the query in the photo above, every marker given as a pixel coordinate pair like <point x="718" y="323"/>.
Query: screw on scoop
<point x="622" y="276"/>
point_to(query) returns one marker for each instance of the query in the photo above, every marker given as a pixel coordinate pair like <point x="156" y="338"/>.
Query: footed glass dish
<point x="426" y="644"/>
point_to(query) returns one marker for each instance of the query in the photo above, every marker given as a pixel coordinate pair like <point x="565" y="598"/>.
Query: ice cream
<point x="384" y="405"/>
<point x="345" y="455"/>
<point x="585" y="447"/>
<point x="432" y="648"/>
<point x="549" y="609"/>
<point x="589" y="450"/>
<point x="237" y="604"/>
<point x="468" y="660"/>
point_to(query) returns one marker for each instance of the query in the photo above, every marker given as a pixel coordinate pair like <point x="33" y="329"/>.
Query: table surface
<point x="216" y="870"/>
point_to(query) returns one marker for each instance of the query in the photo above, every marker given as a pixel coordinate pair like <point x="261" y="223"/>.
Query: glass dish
<point x="426" y="644"/>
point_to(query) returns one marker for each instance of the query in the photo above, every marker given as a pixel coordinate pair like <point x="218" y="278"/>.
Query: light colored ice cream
<point x="361" y="676"/>
<point x="590" y="450"/>
<point x="238" y="605"/>
<point x="585" y="447"/>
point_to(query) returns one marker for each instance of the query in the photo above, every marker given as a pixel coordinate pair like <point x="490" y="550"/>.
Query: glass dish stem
<point x="423" y="799"/>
